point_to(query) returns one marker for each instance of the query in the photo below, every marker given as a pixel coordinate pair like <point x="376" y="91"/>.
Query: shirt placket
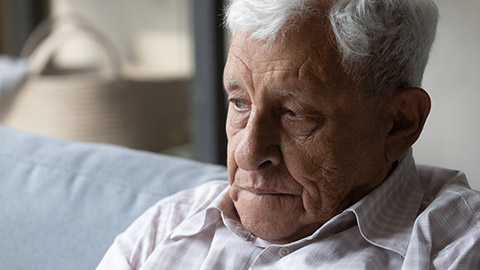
<point x="270" y="256"/>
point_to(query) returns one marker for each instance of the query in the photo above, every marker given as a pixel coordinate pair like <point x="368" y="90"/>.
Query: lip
<point x="262" y="191"/>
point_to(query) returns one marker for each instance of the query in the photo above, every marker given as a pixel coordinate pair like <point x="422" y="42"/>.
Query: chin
<point x="272" y="232"/>
<point x="276" y="219"/>
<point x="278" y="232"/>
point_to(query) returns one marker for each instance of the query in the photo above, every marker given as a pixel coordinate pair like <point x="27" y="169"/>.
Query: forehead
<point x="257" y="57"/>
<point x="305" y="53"/>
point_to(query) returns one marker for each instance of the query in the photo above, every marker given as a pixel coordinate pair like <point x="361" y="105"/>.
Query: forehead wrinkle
<point x="309" y="70"/>
<point x="229" y="75"/>
<point x="234" y="54"/>
<point x="252" y="55"/>
<point x="272" y="65"/>
<point x="263" y="62"/>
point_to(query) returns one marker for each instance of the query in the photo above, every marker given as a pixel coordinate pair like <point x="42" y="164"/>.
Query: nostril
<point x="266" y="163"/>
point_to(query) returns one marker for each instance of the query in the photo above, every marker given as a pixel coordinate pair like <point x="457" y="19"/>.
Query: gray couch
<point x="63" y="203"/>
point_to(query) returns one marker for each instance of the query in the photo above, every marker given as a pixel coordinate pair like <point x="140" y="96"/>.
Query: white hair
<point x="381" y="42"/>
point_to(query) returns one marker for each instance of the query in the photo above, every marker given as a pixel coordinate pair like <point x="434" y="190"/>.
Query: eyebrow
<point x="285" y="93"/>
<point x="282" y="92"/>
<point x="231" y="83"/>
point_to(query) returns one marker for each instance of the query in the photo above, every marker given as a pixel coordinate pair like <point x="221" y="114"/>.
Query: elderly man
<point x="325" y="103"/>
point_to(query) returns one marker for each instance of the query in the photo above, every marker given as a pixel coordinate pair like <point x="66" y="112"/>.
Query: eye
<point x="238" y="112"/>
<point x="298" y="124"/>
<point x="240" y="104"/>
<point x="293" y="115"/>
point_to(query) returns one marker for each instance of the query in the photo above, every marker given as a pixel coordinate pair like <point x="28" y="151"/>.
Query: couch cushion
<point x="63" y="203"/>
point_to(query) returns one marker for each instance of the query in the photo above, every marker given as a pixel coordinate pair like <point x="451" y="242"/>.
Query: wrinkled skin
<point x="302" y="144"/>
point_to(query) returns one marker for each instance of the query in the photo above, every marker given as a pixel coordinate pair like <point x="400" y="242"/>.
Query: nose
<point x="258" y="146"/>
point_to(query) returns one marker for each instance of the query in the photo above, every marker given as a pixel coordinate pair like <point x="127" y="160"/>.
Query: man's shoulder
<point x="445" y="186"/>
<point x="449" y="217"/>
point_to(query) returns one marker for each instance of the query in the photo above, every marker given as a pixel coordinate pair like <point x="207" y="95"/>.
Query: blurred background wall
<point x="153" y="37"/>
<point x="451" y="137"/>
<point x="174" y="46"/>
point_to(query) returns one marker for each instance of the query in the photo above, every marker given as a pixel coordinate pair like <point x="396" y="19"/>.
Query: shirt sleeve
<point x="462" y="251"/>
<point x="464" y="254"/>
<point x="456" y="229"/>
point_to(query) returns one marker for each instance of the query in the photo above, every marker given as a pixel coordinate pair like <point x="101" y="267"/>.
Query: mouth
<point x="261" y="191"/>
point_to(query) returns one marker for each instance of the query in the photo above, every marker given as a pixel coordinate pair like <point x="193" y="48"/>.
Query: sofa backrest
<point x="63" y="202"/>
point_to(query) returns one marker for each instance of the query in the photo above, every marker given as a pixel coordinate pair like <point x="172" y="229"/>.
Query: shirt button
<point x="282" y="252"/>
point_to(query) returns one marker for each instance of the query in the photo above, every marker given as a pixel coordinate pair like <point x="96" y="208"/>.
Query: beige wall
<point x="151" y="36"/>
<point x="451" y="137"/>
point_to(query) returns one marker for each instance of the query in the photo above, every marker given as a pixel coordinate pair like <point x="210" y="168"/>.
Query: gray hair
<point x="381" y="41"/>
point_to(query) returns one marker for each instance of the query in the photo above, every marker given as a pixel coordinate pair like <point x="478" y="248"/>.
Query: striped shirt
<point x="420" y="218"/>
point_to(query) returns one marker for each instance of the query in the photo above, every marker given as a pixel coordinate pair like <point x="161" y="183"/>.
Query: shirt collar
<point x="200" y="220"/>
<point x="385" y="216"/>
<point x="221" y="208"/>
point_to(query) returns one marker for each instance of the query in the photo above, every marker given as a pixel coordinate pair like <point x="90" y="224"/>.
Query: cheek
<point x="310" y="159"/>
<point x="333" y="163"/>
<point x="236" y="119"/>
<point x="231" y="146"/>
<point x="321" y="165"/>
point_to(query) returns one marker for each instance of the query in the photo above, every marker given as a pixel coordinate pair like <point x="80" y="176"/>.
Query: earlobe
<point x="410" y="108"/>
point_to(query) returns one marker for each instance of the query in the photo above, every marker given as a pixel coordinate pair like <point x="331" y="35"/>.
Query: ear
<point x="410" y="108"/>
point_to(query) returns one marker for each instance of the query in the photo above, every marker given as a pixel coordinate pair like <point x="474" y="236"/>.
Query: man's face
<point x="302" y="144"/>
